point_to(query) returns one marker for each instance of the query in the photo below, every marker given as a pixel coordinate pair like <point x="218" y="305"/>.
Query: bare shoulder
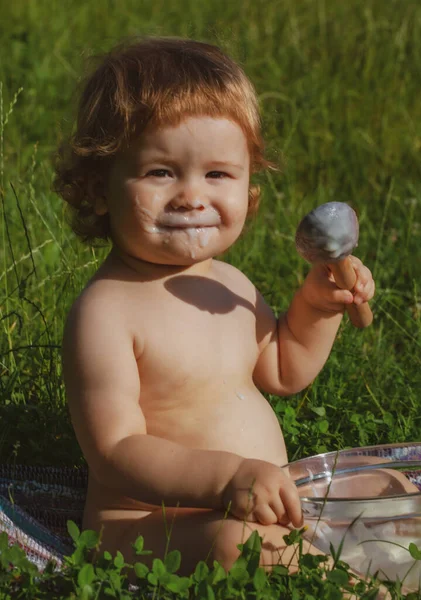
<point x="105" y="301"/>
<point x="92" y="312"/>
<point x="98" y="296"/>
<point x="266" y="323"/>
<point x="99" y="322"/>
<point x="230" y="275"/>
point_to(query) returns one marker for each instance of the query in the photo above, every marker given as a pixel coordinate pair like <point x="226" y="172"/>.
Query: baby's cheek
<point x="236" y="214"/>
<point x="142" y="212"/>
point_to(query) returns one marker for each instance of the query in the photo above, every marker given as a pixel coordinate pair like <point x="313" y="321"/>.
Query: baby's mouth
<point x="194" y="219"/>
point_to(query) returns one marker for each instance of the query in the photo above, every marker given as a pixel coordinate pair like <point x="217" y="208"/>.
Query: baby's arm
<point x="299" y="343"/>
<point x="104" y="392"/>
<point x="104" y="395"/>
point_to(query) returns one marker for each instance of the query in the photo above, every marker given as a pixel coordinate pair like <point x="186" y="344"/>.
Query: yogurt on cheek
<point x="145" y="218"/>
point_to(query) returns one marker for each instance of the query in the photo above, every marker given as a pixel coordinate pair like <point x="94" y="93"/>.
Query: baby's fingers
<point x="331" y="297"/>
<point x="265" y="514"/>
<point x="291" y="503"/>
<point x="364" y="293"/>
<point x="364" y="287"/>
<point x="339" y="297"/>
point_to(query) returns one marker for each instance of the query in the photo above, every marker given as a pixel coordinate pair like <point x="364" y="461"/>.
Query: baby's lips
<point x="197" y="218"/>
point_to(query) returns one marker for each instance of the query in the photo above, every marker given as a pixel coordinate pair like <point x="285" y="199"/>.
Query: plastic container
<point x="369" y="500"/>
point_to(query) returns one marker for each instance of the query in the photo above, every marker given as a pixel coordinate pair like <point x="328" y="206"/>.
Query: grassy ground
<point x="339" y="90"/>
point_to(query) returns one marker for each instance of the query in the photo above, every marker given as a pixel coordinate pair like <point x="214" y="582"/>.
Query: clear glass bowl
<point x="369" y="500"/>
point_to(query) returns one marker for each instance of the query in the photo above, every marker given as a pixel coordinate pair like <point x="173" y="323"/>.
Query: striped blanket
<point x="35" y="505"/>
<point x="39" y="544"/>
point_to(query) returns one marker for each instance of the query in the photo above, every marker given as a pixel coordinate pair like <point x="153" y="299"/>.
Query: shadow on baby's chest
<point x="199" y="326"/>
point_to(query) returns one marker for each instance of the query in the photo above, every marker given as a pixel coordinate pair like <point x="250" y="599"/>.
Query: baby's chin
<point x="183" y="259"/>
<point x="192" y="257"/>
<point x="183" y="251"/>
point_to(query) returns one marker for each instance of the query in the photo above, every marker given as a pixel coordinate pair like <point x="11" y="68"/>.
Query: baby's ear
<point x="96" y="194"/>
<point x="254" y="199"/>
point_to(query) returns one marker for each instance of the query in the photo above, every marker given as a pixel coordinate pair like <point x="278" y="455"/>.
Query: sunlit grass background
<point x="339" y="87"/>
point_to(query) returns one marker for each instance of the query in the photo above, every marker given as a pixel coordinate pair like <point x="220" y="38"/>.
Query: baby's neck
<point x="149" y="270"/>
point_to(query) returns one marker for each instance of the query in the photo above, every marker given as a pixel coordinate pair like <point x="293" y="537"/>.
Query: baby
<point x="166" y="349"/>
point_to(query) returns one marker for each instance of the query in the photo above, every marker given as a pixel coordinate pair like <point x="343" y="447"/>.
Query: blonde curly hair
<point x="143" y="83"/>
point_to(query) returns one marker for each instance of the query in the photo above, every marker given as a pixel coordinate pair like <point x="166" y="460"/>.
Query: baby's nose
<point x="186" y="201"/>
<point x="189" y="193"/>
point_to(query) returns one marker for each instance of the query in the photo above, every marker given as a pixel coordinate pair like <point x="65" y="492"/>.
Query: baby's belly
<point x="240" y="421"/>
<point x="235" y="419"/>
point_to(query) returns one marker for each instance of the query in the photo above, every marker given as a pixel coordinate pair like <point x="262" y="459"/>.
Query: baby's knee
<point x="274" y="550"/>
<point x="225" y="543"/>
<point x="233" y="532"/>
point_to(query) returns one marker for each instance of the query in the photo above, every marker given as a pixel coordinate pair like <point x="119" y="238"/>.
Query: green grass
<point x="339" y="90"/>
<point x="80" y="579"/>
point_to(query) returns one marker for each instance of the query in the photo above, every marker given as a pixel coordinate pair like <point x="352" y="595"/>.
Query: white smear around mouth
<point x="196" y="203"/>
<point x="241" y="396"/>
<point x="192" y="236"/>
<point x="174" y="223"/>
<point x="148" y="219"/>
<point x="144" y="211"/>
<point x="209" y="217"/>
<point x="198" y="236"/>
<point x="152" y="229"/>
<point x="204" y="237"/>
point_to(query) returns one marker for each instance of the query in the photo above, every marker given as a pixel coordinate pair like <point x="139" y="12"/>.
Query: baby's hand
<point x="320" y="290"/>
<point x="260" y="491"/>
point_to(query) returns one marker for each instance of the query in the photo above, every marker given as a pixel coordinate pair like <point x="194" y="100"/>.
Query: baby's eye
<point x="216" y="174"/>
<point x="158" y="173"/>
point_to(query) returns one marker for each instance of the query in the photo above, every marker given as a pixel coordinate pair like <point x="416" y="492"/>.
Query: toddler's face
<point x="179" y="195"/>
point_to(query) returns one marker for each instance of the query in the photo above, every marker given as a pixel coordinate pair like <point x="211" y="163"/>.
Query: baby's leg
<point x="199" y="534"/>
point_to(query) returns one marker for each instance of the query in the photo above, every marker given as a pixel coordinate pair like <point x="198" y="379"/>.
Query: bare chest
<point x="197" y="342"/>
